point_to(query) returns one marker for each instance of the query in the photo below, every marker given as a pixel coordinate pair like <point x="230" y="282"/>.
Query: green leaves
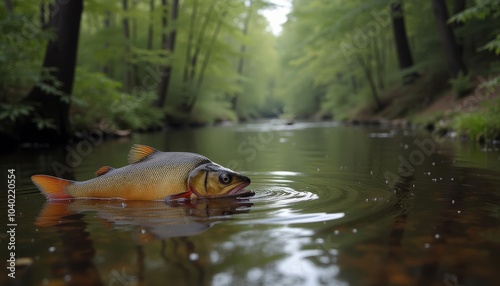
<point x="14" y="112"/>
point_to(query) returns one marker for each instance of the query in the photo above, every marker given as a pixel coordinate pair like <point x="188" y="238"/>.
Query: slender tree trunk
<point x="405" y="58"/>
<point x="201" y="35"/>
<point x="206" y="60"/>
<point x="459" y="6"/>
<point x="106" y="24"/>
<point x="168" y="44"/>
<point x="367" y="69"/>
<point x="243" y="48"/>
<point x="43" y="16"/>
<point x="448" y="41"/>
<point x="128" y="76"/>
<point x="189" y="47"/>
<point x="150" y="26"/>
<point x="8" y="5"/>
<point x="60" y="56"/>
<point x="379" y="63"/>
<point x="354" y="84"/>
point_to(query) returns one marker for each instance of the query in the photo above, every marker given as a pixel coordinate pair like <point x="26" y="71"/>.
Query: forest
<point x="137" y="65"/>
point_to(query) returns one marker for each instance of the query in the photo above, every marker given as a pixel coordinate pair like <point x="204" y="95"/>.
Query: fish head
<point x="213" y="180"/>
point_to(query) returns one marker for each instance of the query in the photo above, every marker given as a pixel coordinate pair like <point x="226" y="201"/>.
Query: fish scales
<point x="164" y="171"/>
<point x="151" y="175"/>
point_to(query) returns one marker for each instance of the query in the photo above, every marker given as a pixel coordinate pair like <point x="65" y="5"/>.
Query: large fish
<point x="151" y="175"/>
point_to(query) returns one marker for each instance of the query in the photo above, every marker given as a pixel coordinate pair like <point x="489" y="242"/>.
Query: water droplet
<point x="458" y="212"/>
<point x="52" y="249"/>
<point x="336" y="232"/>
<point x="320" y="240"/>
<point x="433" y="163"/>
<point x="452" y="179"/>
<point x="437" y="236"/>
<point x="317" y="169"/>
<point x="452" y="202"/>
<point x="354" y="230"/>
<point x="143" y="231"/>
<point x="45" y="281"/>
<point x="427" y="245"/>
<point x="67" y="277"/>
<point x="124" y="205"/>
<point x="193" y="256"/>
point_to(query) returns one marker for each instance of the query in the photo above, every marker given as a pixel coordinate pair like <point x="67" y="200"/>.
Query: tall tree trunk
<point x="168" y="44"/>
<point x="128" y="76"/>
<point x="201" y="35"/>
<point x="8" y="5"/>
<point x="60" y="56"/>
<point x="150" y="25"/>
<point x="368" y="71"/>
<point x="405" y="58"/>
<point x="459" y="6"/>
<point x="43" y="16"/>
<point x="206" y="60"/>
<point x="106" y="23"/>
<point x="450" y="48"/>
<point x="243" y="48"/>
<point x="379" y="63"/>
<point x="189" y="48"/>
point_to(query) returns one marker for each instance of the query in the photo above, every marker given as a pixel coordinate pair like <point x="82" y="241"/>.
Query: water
<point x="334" y="205"/>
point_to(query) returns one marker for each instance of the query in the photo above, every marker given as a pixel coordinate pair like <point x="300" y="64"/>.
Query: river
<point x="334" y="205"/>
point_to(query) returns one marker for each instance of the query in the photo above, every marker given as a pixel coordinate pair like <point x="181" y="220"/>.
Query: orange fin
<point x="139" y="152"/>
<point x="52" y="214"/>
<point x="53" y="188"/>
<point x="179" y="198"/>
<point x="103" y="170"/>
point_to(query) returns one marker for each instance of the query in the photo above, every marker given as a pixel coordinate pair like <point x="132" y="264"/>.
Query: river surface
<point x="334" y="205"/>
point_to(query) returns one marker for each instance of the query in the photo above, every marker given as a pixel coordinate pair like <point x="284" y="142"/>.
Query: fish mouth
<point x="239" y="191"/>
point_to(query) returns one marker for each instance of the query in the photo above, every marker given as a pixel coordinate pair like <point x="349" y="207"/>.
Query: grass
<point x="481" y="125"/>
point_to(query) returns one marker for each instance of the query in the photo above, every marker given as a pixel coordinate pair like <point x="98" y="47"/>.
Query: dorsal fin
<point x="139" y="152"/>
<point x="103" y="170"/>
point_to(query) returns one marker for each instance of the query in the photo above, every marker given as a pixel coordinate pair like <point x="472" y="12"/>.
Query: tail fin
<point x="53" y="213"/>
<point x="53" y="188"/>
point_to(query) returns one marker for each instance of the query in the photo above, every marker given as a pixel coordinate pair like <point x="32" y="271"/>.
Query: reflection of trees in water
<point x="440" y="232"/>
<point x="75" y="266"/>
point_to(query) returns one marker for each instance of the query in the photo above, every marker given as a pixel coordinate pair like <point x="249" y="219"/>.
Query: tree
<point x="168" y="43"/>
<point x="405" y="58"/>
<point x="450" y="47"/>
<point x="52" y="101"/>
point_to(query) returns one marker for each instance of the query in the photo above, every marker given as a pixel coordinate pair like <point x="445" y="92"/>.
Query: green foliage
<point x="20" y="52"/>
<point x="462" y="84"/>
<point x="480" y="125"/>
<point x="13" y="112"/>
<point x="111" y="109"/>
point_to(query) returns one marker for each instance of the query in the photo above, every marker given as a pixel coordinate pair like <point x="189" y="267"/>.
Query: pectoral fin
<point x="179" y="198"/>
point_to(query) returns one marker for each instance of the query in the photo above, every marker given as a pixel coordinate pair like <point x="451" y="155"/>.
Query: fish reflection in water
<point x="149" y="220"/>
<point x="156" y="220"/>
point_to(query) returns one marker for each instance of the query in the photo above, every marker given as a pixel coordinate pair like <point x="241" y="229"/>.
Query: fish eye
<point x="225" y="178"/>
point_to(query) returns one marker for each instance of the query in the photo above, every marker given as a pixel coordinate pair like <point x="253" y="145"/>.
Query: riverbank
<point x="437" y="107"/>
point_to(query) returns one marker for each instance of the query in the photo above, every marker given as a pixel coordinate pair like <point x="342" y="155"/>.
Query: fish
<point x="151" y="175"/>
